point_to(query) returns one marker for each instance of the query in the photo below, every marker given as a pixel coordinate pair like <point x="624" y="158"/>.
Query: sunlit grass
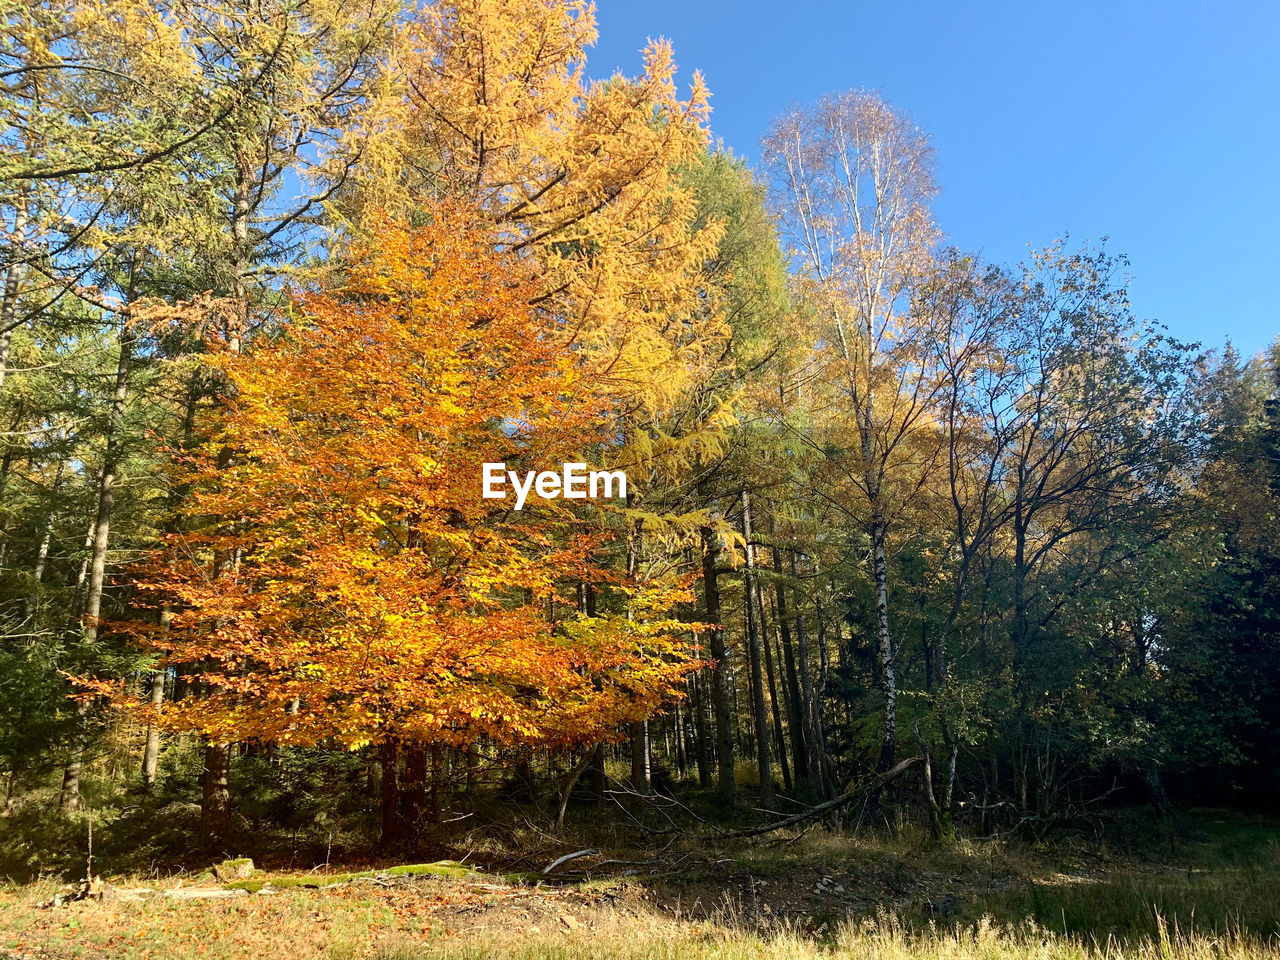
<point x="882" y="939"/>
<point x="1210" y="891"/>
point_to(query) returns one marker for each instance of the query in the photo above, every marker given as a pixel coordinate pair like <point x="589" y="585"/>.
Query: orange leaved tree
<point x="341" y="580"/>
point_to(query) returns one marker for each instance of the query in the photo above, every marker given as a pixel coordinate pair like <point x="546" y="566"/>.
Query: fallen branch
<point x="655" y="801"/>
<point x="815" y="812"/>
<point x="566" y="858"/>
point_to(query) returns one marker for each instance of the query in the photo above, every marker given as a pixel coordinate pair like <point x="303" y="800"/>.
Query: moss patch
<point x="442" y="868"/>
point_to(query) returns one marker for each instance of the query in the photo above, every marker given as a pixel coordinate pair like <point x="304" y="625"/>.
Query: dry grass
<point x="877" y="941"/>
<point x="402" y="925"/>
<point x="434" y="919"/>
<point x="1216" y="896"/>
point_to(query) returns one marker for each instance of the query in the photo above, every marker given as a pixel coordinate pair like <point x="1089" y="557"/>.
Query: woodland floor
<point x="1211" y="889"/>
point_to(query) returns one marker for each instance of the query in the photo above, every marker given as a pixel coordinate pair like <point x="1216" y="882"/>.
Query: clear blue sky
<point x="1155" y="124"/>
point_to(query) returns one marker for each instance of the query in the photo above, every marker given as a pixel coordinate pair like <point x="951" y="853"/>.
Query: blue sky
<point x="1156" y="125"/>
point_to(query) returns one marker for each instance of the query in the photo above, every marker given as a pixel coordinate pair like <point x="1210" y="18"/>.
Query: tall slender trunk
<point x="809" y="714"/>
<point x="942" y="676"/>
<point x="1021" y="631"/>
<point x="726" y="785"/>
<point x="151" y="750"/>
<point x="680" y="748"/>
<point x="775" y="706"/>
<point x="641" y="778"/>
<point x="701" y="741"/>
<point x="473" y="761"/>
<point x="82" y="576"/>
<point x="820" y="695"/>
<point x="1156" y="792"/>
<point x="641" y="774"/>
<point x="863" y="398"/>
<point x="9" y="294"/>
<point x="111" y="458"/>
<point x="795" y="710"/>
<point x="439" y="780"/>
<point x="6" y="466"/>
<point x="888" y="682"/>
<point x="69" y="797"/>
<point x="107" y="486"/>
<point x="32" y="602"/>
<point x="235" y="328"/>
<point x="753" y="649"/>
<point x="741" y="732"/>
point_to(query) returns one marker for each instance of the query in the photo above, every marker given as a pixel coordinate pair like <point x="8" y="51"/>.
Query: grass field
<point x="1211" y="891"/>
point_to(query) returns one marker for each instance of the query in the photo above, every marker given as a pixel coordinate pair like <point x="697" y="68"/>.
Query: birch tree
<point x="852" y="182"/>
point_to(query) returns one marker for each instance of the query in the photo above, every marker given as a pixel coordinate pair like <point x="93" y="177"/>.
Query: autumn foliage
<point x="490" y="101"/>
<point x="347" y="583"/>
<point x="277" y="279"/>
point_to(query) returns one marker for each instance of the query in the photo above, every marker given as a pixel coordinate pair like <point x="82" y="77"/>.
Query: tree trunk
<point x="438" y="781"/>
<point x="795" y="711"/>
<point x="698" y="704"/>
<point x="413" y="791"/>
<point x="566" y="788"/>
<point x="727" y="786"/>
<point x="596" y="774"/>
<point x="820" y="697"/>
<point x="107" y="487"/>
<point x="888" y="683"/>
<point x="6" y="466"/>
<point x="215" y="810"/>
<point x="1156" y="791"/>
<point x="151" y="752"/>
<point x="82" y="577"/>
<point x="641" y="780"/>
<point x="939" y="821"/>
<point x="1142" y="645"/>
<point x="775" y="707"/>
<point x="390" y="792"/>
<point x="69" y="798"/>
<point x="9" y="297"/>
<point x="813" y="737"/>
<point x="32" y="602"/>
<point x="101" y="537"/>
<point x="473" y="760"/>
<point x="753" y="649"/>
<point x="681" y="749"/>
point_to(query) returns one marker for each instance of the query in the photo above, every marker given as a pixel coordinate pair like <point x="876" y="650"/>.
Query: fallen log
<point x="566" y="858"/>
<point x="812" y="813"/>
<point x="204" y="893"/>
